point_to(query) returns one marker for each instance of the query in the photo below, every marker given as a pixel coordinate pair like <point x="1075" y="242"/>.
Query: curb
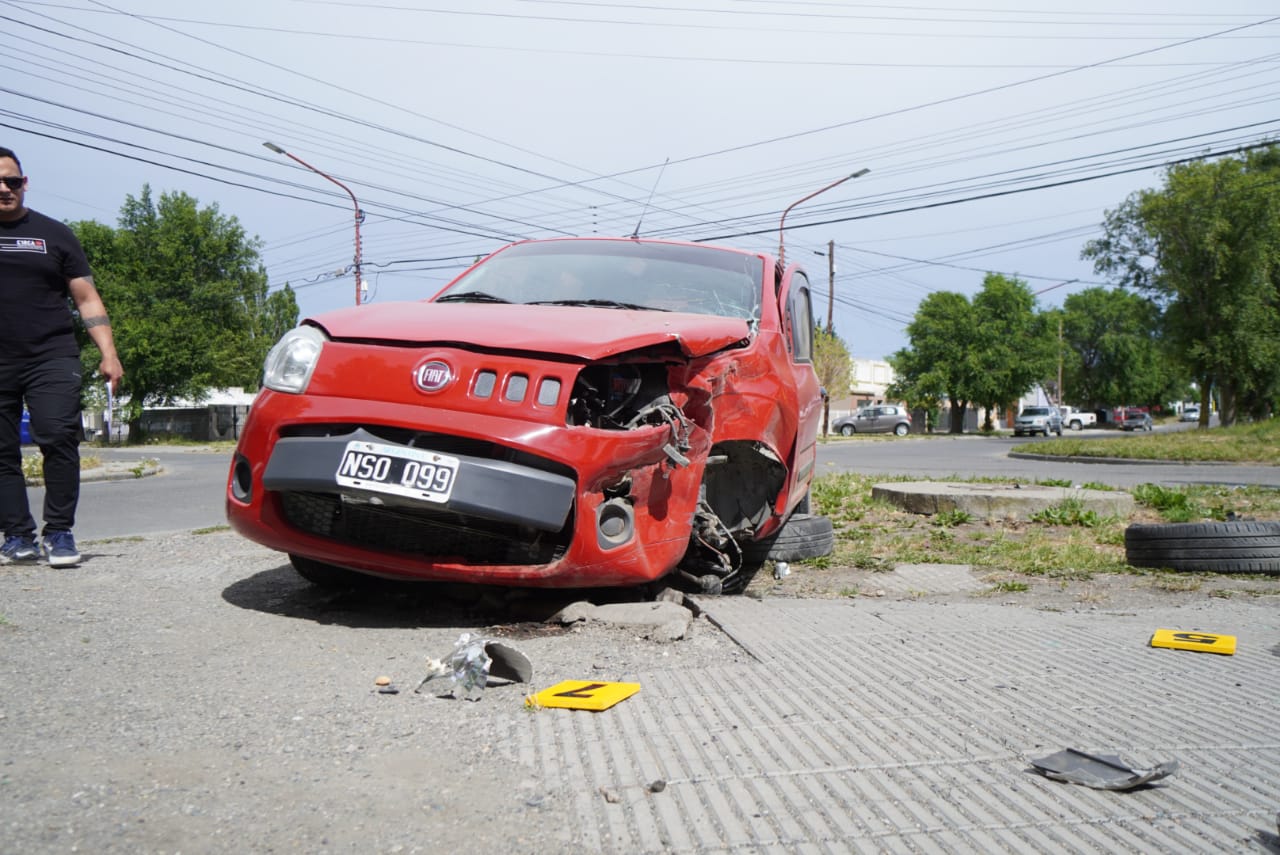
<point x="113" y="471"/>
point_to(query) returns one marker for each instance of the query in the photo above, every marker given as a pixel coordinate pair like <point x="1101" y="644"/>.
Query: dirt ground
<point x="1105" y="591"/>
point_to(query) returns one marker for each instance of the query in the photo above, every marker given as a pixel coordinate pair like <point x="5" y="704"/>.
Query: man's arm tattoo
<point x="96" y="321"/>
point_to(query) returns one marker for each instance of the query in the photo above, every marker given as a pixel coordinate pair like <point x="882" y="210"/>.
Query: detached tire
<point x="802" y="536"/>
<point x="1218" y="547"/>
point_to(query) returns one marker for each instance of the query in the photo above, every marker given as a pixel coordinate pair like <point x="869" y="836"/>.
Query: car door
<point x="796" y="308"/>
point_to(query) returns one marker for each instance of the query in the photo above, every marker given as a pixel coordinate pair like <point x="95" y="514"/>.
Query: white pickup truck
<point x="1077" y="419"/>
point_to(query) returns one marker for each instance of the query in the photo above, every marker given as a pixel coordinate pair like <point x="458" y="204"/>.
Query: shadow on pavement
<point x="384" y="604"/>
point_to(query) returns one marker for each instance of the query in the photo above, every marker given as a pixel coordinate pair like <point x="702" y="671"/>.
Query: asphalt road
<point x="188" y="494"/>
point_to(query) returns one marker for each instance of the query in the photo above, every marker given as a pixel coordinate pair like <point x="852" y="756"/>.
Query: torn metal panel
<point x="1099" y="771"/>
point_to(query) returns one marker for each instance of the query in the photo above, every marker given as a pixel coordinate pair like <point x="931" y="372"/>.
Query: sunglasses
<point x="13" y="182"/>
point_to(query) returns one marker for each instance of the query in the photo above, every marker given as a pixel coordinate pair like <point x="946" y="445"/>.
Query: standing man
<point x="42" y="265"/>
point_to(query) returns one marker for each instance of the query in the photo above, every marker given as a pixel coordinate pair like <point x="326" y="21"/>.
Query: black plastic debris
<point x="1099" y="771"/>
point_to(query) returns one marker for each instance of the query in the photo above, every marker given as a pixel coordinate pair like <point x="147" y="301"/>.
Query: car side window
<point x="800" y="310"/>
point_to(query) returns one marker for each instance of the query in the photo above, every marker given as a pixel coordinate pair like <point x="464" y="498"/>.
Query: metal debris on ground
<point x="474" y="661"/>
<point x="1099" y="771"/>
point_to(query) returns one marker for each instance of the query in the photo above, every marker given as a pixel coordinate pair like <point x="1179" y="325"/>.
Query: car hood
<point x="581" y="331"/>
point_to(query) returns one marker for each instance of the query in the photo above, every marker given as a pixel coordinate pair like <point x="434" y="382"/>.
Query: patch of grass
<point x="955" y="516"/>
<point x="213" y="529"/>
<point x="33" y="466"/>
<point x="1257" y="442"/>
<point x="132" y="538"/>
<point x="1010" y="587"/>
<point x="1053" y="482"/>
<point x="850" y="593"/>
<point x="1070" y="511"/>
<point x="1177" y="584"/>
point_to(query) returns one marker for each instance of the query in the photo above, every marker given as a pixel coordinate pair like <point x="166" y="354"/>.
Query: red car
<point x="576" y="412"/>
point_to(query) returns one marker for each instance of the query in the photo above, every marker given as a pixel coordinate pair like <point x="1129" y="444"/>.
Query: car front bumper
<point x="531" y="504"/>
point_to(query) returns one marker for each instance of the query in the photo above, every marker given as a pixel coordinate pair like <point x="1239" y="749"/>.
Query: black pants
<point x="51" y="389"/>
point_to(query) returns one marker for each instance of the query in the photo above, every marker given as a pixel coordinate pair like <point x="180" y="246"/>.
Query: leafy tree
<point x="833" y="365"/>
<point x="1206" y="246"/>
<point x="1015" y="348"/>
<point x="937" y="363"/>
<point x="1113" y="352"/>
<point x="985" y="352"/>
<point x="188" y="299"/>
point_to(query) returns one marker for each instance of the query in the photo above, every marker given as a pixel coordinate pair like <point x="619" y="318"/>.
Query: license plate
<point x="411" y="472"/>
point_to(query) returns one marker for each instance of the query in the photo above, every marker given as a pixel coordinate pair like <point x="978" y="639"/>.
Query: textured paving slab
<point x="997" y="501"/>
<point x="906" y="727"/>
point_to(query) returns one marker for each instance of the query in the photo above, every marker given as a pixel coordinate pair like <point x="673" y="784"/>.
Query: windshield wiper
<point x="471" y="297"/>
<point x="607" y="304"/>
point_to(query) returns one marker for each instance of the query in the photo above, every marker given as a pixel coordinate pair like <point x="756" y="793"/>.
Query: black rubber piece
<point x="802" y="536"/>
<point x="327" y="575"/>
<point x="1215" y="547"/>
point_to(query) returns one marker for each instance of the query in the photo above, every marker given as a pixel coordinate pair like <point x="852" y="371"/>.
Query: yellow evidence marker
<point x="1202" y="641"/>
<point x="585" y="694"/>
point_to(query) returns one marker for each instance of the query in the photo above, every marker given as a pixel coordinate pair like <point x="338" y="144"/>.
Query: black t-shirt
<point x="38" y="255"/>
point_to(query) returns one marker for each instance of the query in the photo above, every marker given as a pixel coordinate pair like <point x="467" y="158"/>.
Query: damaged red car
<point x="578" y="412"/>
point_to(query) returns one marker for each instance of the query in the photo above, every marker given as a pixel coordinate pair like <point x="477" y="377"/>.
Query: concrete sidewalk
<point x="904" y="727"/>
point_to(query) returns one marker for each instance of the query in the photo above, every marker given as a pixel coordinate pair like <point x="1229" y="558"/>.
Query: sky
<point x="996" y="135"/>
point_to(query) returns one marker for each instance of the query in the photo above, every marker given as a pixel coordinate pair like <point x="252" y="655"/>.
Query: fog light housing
<point x="615" y="523"/>
<point x="242" y="479"/>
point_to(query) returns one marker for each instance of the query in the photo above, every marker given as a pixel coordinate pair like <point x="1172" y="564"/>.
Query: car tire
<point x="1216" y="547"/>
<point x="1076" y="424"/>
<point x="846" y="430"/>
<point x="327" y="575"/>
<point x="901" y="430"/>
<point x="802" y="536"/>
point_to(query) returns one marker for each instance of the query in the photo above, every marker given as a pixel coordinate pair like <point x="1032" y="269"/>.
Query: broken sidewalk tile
<point x="585" y="695"/>
<point x="1205" y="642"/>
<point x="1099" y="771"/>
<point x="474" y="661"/>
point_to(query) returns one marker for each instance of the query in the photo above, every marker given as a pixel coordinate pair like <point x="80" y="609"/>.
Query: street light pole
<point x="359" y="213"/>
<point x="783" y="220"/>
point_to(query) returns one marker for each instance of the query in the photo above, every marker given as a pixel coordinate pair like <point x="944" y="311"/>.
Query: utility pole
<point x="359" y="213"/>
<point x="831" y="286"/>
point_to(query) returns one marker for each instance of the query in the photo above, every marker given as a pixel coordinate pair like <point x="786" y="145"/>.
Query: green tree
<point x="833" y="365"/>
<point x="1112" y="351"/>
<point x="937" y="365"/>
<point x="188" y="299"/>
<point x="984" y="353"/>
<point x="1206" y="246"/>
<point x="1015" y="349"/>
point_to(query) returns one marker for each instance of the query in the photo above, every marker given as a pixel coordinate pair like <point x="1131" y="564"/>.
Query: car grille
<point x="421" y="532"/>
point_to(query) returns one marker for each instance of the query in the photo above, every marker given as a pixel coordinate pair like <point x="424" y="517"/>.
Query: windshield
<point x="623" y="274"/>
<point x="1036" y="411"/>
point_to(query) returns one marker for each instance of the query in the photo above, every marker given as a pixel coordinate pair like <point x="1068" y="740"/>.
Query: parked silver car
<point x="1034" y="420"/>
<point x="1136" y="420"/>
<point x="882" y="418"/>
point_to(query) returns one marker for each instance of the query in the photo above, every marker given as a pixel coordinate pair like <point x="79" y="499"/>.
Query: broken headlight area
<point x="627" y="396"/>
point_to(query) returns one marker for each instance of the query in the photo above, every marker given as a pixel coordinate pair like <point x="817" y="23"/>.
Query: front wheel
<point x="846" y="430"/>
<point x="901" y="430"/>
<point x="1076" y="425"/>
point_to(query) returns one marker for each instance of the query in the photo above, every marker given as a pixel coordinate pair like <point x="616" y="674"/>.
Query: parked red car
<point x="575" y="412"/>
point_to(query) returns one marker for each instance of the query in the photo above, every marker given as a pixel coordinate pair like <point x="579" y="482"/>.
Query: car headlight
<point x="290" y="363"/>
